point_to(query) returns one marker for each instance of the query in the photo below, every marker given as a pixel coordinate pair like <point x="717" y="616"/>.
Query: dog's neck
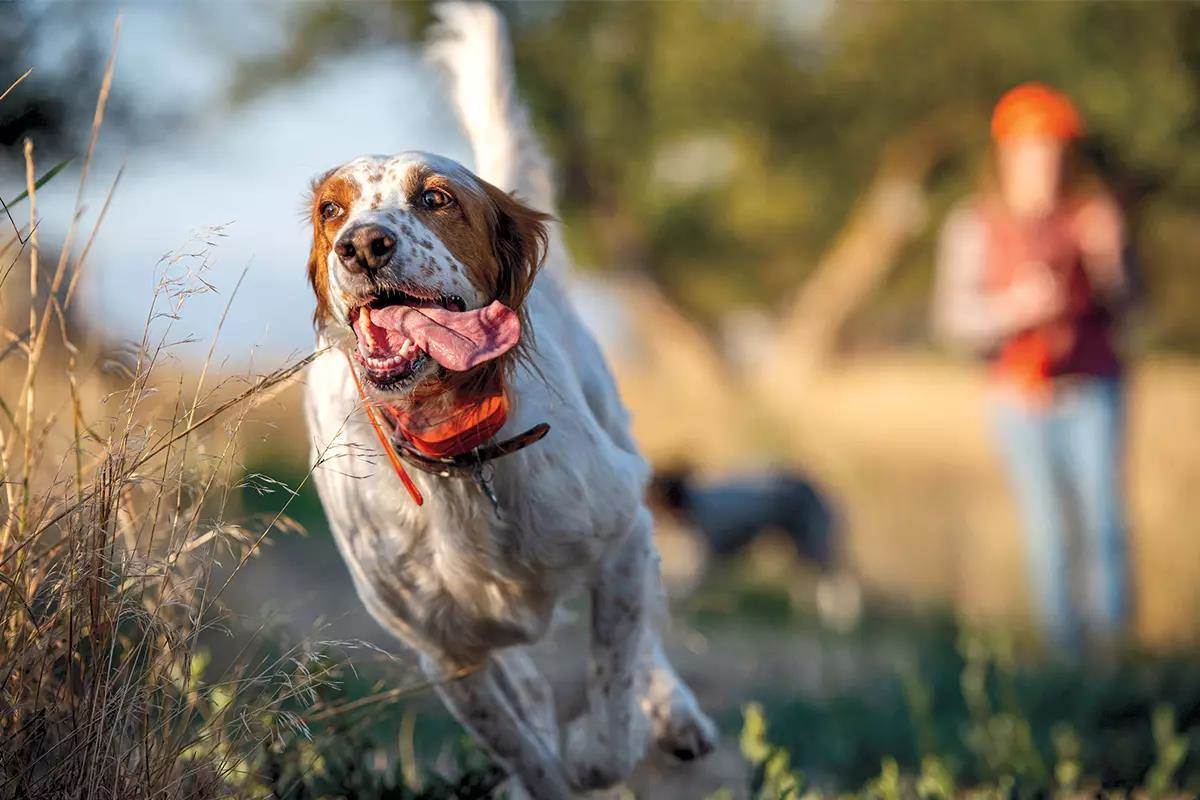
<point x="453" y="436"/>
<point x="454" y="426"/>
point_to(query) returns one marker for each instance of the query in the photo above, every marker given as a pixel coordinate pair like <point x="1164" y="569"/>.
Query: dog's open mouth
<point x="398" y="331"/>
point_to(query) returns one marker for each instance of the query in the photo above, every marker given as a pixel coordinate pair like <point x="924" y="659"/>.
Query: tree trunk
<point x="890" y="214"/>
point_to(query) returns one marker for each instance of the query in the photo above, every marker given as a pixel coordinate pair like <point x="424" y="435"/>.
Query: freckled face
<point x="423" y="204"/>
<point x="415" y="232"/>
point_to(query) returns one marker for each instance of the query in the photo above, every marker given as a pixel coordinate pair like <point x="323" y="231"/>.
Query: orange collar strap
<point x="388" y="450"/>
<point x="464" y="428"/>
<point x="442" y="444"/>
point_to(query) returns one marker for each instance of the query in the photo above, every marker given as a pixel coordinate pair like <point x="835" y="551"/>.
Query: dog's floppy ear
<point x="519" y="240"/>
<point x="318" y="263"/>
<point x="318" y="278"/>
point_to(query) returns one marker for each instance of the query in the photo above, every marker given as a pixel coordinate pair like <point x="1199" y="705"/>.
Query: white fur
<point x="467" y="590"/>
<point x="472" y="46"/>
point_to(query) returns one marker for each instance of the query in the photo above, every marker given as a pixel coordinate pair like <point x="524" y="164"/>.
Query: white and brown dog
<point x="432" y="303"/>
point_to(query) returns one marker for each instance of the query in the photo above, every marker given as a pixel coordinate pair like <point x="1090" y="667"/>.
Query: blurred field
<point x="897" y="439"/>
<point x="900" y="440"/>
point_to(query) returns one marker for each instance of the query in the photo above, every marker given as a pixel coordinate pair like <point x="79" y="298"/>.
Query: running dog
<point x="470" y="447"/>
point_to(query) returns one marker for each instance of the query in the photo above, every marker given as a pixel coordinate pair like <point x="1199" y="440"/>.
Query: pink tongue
<point x="458" y="340"/>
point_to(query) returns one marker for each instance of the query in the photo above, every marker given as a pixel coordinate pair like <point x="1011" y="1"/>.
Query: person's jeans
<point x="1065" y="464"/>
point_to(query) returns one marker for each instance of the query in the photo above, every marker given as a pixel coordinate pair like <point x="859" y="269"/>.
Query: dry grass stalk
<point x="112" y="526"/>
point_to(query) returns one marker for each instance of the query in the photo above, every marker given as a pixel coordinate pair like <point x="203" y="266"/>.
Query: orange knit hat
<point x="1035" y="109"/>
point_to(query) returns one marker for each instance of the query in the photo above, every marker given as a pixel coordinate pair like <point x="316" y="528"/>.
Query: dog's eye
<point x="435" y="198"/>
<point x="330" y="210"/>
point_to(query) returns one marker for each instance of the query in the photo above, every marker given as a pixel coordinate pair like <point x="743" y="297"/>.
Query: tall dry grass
<point x="121" y="531"/>
<point x="116" y="544"/>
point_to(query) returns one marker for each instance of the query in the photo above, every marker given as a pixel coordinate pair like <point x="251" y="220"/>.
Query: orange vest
<point x="1079" y="340"/>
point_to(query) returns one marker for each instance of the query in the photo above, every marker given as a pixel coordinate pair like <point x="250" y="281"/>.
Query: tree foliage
<point x="719" y="146"/>
<point x="51" y="103"/>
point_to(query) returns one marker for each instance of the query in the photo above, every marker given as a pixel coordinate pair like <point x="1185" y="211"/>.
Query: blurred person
<point x="1033" y="272"/>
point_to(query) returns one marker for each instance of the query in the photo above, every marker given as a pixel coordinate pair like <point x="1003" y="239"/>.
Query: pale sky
<point x="248" y="167"/>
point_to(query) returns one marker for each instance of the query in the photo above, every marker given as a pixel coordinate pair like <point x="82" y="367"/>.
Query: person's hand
<point x="1033" y="299"/>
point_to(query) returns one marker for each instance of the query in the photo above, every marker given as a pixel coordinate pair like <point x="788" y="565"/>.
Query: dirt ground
<point x="301" y="585"/>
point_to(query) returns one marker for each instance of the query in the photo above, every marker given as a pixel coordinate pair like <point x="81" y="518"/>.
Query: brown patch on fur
<point x="329" y="187"/>
<point x="501" y="242"/>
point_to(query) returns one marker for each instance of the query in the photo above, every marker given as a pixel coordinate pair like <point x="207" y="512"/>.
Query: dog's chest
<point x="450" y="574"/>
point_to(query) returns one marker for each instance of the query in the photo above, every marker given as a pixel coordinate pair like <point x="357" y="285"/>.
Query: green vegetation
<point x="976" y="717"/>
<point x="716" y="147"/>
<point x="933" y="703"/>
<point x="938" y="712"/>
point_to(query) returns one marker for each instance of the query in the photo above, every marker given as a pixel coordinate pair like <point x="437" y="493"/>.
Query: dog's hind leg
<point x="485" y="701"/>
<point x="678" y="725"/>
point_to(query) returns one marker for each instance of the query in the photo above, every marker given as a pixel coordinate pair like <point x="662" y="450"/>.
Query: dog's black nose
<point x="365" y="247"/>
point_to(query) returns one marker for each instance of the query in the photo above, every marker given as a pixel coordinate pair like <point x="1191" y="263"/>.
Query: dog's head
<point x="420" y="270"/>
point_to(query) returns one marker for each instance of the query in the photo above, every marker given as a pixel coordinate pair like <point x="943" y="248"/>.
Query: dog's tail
<point x="471" y="42"/>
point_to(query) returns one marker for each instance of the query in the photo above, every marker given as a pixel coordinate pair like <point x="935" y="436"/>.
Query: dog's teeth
<point x="364" y="333"/>
<point x="406" y="347"/>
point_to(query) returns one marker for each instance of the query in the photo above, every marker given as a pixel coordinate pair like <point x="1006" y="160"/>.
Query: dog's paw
<point x="593" y="760"/>
<point x="681" y="729"/>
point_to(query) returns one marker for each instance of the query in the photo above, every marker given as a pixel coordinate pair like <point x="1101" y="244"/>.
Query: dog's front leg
<point x="485" y="703"/>
<point x="604" y="745"/>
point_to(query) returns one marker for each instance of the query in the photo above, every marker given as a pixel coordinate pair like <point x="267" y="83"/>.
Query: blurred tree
<point x="1134" y="71"/>
<point x="721" y="147"/>
<point x="54" y="104"/>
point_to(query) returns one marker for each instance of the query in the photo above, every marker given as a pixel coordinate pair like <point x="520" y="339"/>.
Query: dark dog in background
<point x="702" y="520"/>
<point x="732" y="513"/>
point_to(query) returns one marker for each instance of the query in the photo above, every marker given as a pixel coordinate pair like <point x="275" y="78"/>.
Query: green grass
<point x="982" y="709"/>
<point x="968" y="708"/>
